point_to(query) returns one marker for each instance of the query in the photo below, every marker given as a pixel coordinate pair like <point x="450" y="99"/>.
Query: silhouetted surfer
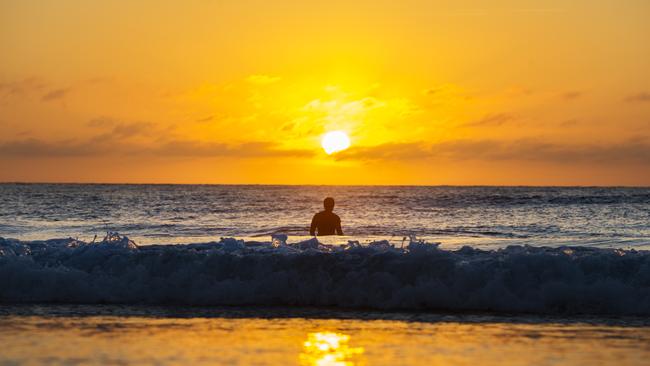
<point x="326" y="222"/>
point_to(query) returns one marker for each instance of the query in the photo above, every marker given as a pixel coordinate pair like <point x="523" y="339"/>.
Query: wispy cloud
<point x="643" y="97"/>
<point x="491" y="120"/>
<point x="630" y="151"/>
<point x="117" y="137"/>
<point x="120" y="129"/>
<point x="191" y="148"/>
<point x="35" y="148"/>
<point x="112" y="145"/>
<point x="25" y="86"/>
<point x="205" y="119"/>
<point x="571" y="95"/>
<point x="570" y="122"/>
<point x="55" y="94"/>
<point x="101" y="122"/>
<point x="132" y="129"/>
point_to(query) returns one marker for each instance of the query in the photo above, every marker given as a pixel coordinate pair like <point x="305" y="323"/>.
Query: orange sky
<point x="430" y="92"/>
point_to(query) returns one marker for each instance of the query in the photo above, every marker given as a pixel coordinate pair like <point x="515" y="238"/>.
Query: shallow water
<point x="72" y="335"/>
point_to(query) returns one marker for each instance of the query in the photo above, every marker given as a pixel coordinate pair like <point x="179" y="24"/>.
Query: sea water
<point x="120" y="335"/>
<point x="424" y="275"/>
<point x="488" y="217"/>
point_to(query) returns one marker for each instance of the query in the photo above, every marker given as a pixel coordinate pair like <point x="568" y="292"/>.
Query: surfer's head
<point x="329" y="204"/>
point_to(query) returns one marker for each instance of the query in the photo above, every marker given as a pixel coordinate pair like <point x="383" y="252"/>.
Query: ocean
<point x="212" y="274"/>
<point x="487" y="217"/>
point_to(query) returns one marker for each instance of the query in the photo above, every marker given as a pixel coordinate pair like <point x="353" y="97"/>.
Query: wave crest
<point x="421" y="276"/>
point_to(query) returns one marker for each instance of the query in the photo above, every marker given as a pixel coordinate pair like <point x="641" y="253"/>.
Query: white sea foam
<point x="420" y="276"/>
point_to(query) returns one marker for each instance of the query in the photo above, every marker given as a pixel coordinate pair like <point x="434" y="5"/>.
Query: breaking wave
<point x="419" y="277"/>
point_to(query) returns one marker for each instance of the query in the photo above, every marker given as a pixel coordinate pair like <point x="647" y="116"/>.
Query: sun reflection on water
<point x="329" y="349"/>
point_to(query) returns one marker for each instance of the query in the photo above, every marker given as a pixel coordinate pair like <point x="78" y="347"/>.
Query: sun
<point x="335" y="141"/>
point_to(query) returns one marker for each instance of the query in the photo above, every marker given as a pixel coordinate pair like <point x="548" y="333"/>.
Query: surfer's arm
<point x="312" y="229"/>
<point x="339" y="231"/>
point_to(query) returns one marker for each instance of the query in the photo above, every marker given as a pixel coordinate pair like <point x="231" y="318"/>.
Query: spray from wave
<point x="418" y="276"/>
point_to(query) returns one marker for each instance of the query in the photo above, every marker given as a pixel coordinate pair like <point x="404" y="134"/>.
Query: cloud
<point x="132" y="129"/>
<point x="643" y="97"/>
<point x="105" y="145"/>
<point x="39" y="148"/>
<point x="570" y="122"/>
<point x="445" y="92"/>
<point x="635" y="150"/>
<point x="259" y="79"/>
<point x="101" y="122"/>
<point x="190" y="148"/>
<point x="120" y="129"/>
<point x="491" y="120"/>
<point x="631" y="151"/>
<point x="205" y="119"/>
<point x="27" y="85"/>
<point x="571" y="95"/>
<point x="389" y="151"/>
<point x="33" y="87"/>
<point x="55" y="94"/>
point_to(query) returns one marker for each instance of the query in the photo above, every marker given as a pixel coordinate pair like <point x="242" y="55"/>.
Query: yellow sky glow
<point x="429" y="92"/>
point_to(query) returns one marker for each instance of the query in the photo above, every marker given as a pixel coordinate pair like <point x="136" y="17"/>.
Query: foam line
<point x="419" y="277"/>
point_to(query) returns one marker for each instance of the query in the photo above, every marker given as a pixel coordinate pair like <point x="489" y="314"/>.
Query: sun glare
<point x="329" y="348"/>
<point x="335" y="141"/>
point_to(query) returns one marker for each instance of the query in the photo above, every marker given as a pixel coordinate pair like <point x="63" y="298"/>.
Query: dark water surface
<point x="480" y="216"/>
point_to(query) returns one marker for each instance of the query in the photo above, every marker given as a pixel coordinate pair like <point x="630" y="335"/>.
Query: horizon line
<point x="323" y="185"/>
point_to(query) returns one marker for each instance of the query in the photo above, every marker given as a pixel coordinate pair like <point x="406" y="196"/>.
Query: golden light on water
<point x="335" y="141"/>
<point x="329" y="348"/>
<point x="281" y="341"/>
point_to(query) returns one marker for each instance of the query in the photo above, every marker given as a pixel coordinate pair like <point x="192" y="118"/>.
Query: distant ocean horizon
<point x="488" y="216"/>
<point x="327" y="185"/>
